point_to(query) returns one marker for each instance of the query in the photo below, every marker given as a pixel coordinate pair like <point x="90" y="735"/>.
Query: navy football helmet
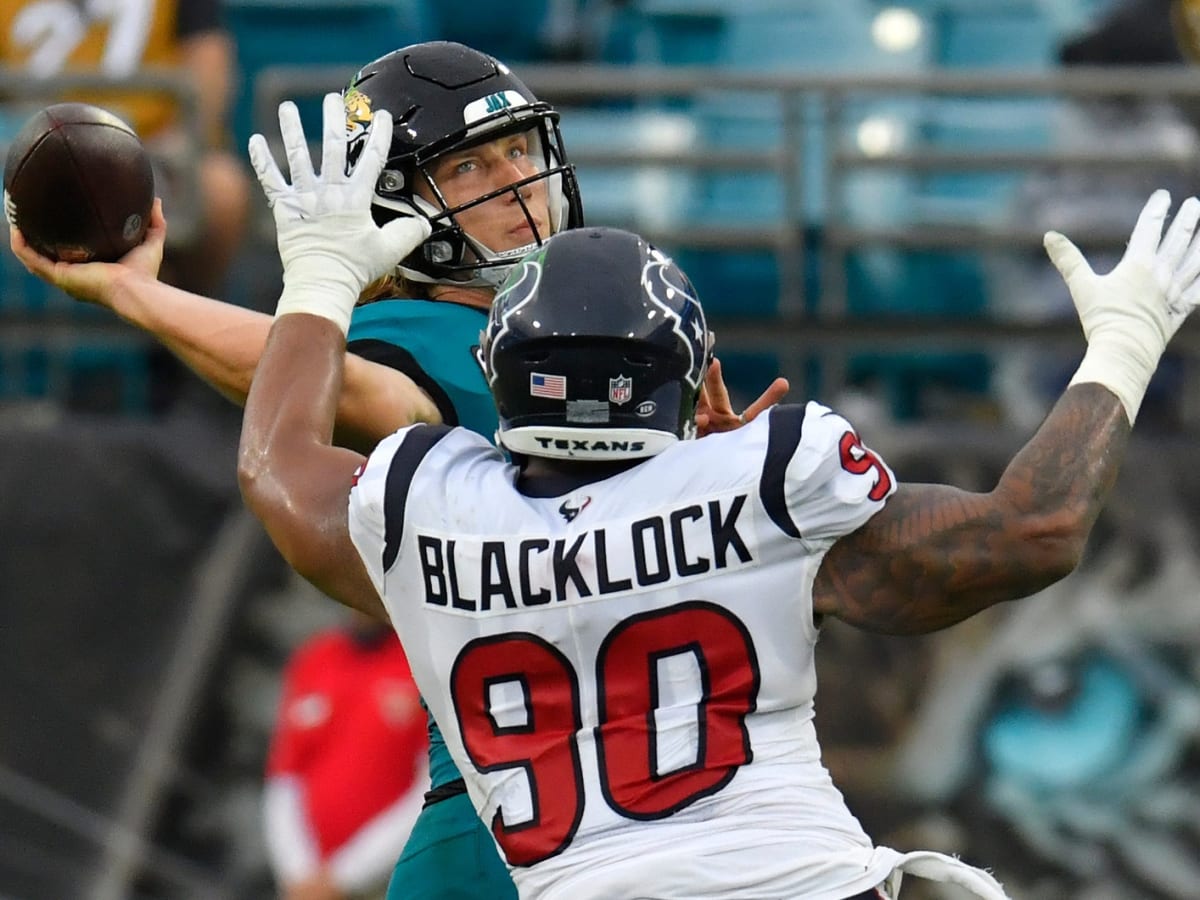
<point x="595" y="348"/>
<point x="445" y="97"/>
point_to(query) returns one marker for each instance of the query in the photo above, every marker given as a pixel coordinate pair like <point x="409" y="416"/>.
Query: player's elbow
<point x="1049" y="547"/>
<point x="253" y="475"/>
<point x="266" y="497"/>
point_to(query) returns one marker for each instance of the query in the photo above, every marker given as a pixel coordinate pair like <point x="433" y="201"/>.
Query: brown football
<point x="78" y="184"/>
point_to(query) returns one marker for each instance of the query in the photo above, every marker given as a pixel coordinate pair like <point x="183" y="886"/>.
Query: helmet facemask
<point x="445" y="98"/>
<point x="451" y="254"/>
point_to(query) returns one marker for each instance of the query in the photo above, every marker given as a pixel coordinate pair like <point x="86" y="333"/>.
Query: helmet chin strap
<point x="494" y="275"/>
<point x="490" y="277"/>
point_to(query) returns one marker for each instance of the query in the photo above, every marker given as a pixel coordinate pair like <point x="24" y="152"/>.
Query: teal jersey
<point x="432" y="342"/>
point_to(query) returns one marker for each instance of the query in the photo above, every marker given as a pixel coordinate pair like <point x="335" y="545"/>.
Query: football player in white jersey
<point x="616" y="628"/>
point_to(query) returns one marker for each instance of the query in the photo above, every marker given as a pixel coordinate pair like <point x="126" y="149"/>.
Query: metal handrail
<point x="566" y="84"/>
<point x="591" y="83"/>
<point x="830" y="333"/>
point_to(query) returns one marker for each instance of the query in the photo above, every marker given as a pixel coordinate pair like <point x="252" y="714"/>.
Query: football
<point x="78" y="184"/>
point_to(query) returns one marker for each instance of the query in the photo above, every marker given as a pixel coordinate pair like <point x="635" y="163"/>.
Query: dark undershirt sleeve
<point x="387" y="354"/>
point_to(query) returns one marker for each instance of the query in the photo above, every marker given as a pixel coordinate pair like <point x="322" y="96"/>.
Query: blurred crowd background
<point x="858" y="189"/>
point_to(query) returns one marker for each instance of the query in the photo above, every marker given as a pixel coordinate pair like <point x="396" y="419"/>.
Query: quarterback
<point x="479" y="158"/>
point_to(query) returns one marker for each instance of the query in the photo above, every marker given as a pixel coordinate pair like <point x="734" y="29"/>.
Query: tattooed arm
<point x="936" y="554"/>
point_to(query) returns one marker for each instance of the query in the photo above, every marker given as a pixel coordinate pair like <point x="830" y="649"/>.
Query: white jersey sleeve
<point x="819" y="481"/>
<point x="392" y="462"/>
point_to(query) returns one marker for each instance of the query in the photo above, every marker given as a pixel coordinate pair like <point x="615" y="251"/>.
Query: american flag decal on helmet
<point x="553" y="387"/>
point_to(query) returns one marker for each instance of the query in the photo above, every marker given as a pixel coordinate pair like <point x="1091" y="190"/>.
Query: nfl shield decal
<point x="620" y="390"/>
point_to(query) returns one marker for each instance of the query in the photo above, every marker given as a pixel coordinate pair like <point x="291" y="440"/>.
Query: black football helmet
<point x="445" y="97"/>
<point x="595" y="348"/>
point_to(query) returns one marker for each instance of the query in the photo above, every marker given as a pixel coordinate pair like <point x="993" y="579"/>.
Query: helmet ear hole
<point x="390" y="181"/>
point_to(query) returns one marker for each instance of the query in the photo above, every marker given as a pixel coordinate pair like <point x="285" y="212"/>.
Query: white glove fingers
<point x="403" y="236"/>
<point x="1179" y="235"/>
<point x="375" y="152"/>
<point x="1189" y="267"/>
<point x="295" y="146"/>
<point x="1188" y="300"/>
<point x="1065" y="256"/>
<point x="1147" y="233"/>
<point x="333" y="136"/>
<point x="265" y="167"/>
<point x="329" y="243"/>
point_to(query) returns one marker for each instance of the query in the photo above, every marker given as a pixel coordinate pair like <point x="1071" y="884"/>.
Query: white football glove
<point x="1130" y="314"/>
<point x="330" y="246"/>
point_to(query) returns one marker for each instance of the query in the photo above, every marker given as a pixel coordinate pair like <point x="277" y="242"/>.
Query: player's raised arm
<point x="936" y="555"/>
<point x="220" y="342"/>
<point x="291" y="476"/>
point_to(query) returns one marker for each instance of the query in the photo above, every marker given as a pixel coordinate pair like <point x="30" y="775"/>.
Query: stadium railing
<point x="814" y="314"/>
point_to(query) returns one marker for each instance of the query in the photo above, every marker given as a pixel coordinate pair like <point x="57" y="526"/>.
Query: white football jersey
<point x="624" y="674"/>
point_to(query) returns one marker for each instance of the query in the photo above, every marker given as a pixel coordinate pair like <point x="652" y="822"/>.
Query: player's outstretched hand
<point x="96" y="282"/>
<point x="328" y="241"/>
<point x="1130" y="314"/>
<point x="714" y="411"/>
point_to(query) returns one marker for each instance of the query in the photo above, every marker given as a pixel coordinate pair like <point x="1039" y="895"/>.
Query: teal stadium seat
<point x="1020" y="34"/>
<point x="858" y="38"/>
<point x="817" y="36"/>
<point x="92" y="374"/>
<point x="805" y="36"/>
<point x="675" y="32"/>
<point x="747" y="374"/>
<point x="315" y="32"/>
<point x="1017" y="35"/>
<point x="515" y="31"/>
<point x="643" y="197"/>
<point x="978" y="124"/>
<point x="883" y="283"/>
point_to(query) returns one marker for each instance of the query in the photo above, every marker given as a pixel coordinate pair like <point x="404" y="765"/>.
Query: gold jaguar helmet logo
<point x="358" y="112"/>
